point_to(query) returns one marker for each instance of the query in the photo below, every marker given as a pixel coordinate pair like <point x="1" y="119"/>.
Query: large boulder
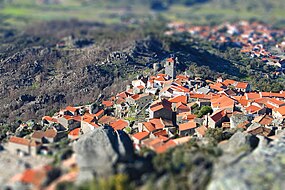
<point x="99" y="152"/>
<point x="261" y="169"/>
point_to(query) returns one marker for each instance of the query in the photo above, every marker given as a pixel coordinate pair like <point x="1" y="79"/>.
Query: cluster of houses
<point x="158" y="112"/>
<point x="255" y="39"/>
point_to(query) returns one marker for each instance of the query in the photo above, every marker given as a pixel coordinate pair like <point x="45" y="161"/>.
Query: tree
<point x="204" y="111"/>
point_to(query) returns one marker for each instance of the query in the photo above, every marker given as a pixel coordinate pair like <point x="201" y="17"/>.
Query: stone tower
<point x="170" y="67"/>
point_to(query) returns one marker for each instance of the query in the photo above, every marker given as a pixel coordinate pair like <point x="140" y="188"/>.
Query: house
<point x="88" y="123"/>
<point x="68" y="121"/>
<point x="166" y="146"/>
<point x="177" y="99"/>
<point x="47" y="120"/>
<point x="72" y="111"/>
<point x="161" y="109"/>
<point x="33" y="177"/>
<point x="264" y="120"/>
<point x="187" y="129"/>
<point x="217" y="118"/>
<point x="242" y="87"/>
<point x="140" y="82"/>
<point x="147" y="126"/>
<point x="279" y="112"/>
<point x="74" y="134"/>
<point x="53" y="135"/>
<point x="119" y="125"/>
<point x="255" y="109"/>
<point x="138" y="137"/>
<point x="140" y="101"/>
<point x="182" y="108"/>
<point x="263" y="131"/>
<point x="107" y="120"/>
<point x="22" y="146"/>
<point x="222" y="102"/>
<point x="200" y="131"/>
<point x="276" y="103"/>
<point x="108" y="104"/>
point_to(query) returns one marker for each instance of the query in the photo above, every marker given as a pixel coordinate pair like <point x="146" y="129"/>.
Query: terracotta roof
<point x="71" y="109"/>
<point x="252" y="95"/>
<point x="260" y="131"/>
<point x="136" y="96"/>
<point x="163" y="148"/>
<point x="149" y="126"/>
<point x="161" y="133"/>
<point x="23" y="141"/>
<point x="183" y="107"/>
<point x="74" y="132"/>
<point x="140" y="87"/>
<point x="50" y="133"/>
<point x="187" y="126"/>
<point x="276" y="102"/>
<point x="158" y="105"/>
<point x="123" y="95"/>
<point x="222" y="102"/>
<point x="35" y="176"/>
<point x="241" y="85"/>
<point x="264" y="119"/>
<point x="119" y="125"/>
<point x="141" y="135"/>
<point x="158" y="124"/>
<point x="218" y="115"/>
<point x="201" y="130"/>
<point x="281" y="110"/>
<point x="50" y="119"/>
<point x="170" y="59"/>
<point x="107" y="119"/>
<point x="177" y="99"/>
<point x="253" y="109"/>
<point x="228" y="82"/>
<point x="38" y="134"/>
<point x="108" y="103"/>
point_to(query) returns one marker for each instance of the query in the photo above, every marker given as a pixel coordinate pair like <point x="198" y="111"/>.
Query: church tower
<point x="170" y="67"/>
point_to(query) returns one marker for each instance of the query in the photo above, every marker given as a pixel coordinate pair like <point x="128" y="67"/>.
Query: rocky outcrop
<point x="262" y="169"/>
<point x="99" y="152"/>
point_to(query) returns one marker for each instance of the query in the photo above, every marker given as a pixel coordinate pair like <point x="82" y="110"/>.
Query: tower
<point x="170" y="67"/>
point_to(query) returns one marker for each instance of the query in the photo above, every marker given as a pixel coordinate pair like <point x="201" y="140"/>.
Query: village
<point x="158" y="113"/>
<point x="256" y="40"/>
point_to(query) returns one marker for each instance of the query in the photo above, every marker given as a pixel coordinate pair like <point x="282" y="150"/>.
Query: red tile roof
<point x="108" y="103"/>
<point x="149" y="126"/>
<point x="74" y="132"/>
<point x="158" y="105"/>
<point x="281" y="110"/>
<point x="218" y="115"/>
<point x="71" y="109"/>
<point x="119" y="125"/>
<point x="187" y="126"/>
<point x="141" y="135"/>
<point x="241" y="85"/>
<point x="177" y="99"/>
<point x="50" y="119"/>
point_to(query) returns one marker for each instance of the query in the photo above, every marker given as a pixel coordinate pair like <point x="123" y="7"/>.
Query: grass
<point x="22" y="12"/>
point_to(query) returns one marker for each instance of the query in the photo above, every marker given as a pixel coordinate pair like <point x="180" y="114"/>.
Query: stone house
<point x="161" y="109"/>
<point x="22" y="146"/>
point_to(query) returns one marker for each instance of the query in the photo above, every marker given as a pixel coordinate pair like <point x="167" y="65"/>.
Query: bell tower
<point x="170" y="67"/>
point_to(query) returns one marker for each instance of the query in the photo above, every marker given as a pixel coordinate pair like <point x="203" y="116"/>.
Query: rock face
<point x="262" y="169"/>
<point x="99" y="152"/>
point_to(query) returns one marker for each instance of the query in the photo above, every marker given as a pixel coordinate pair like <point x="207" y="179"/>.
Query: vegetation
<point x="204" y="111"/>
